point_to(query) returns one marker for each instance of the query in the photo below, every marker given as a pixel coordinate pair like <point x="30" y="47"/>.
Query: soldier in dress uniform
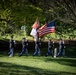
<point x="37" y="47"/>
<point x="24" y="47"/>
<point x="61" y="48"/>
<point x="50" y="48"/>
<point x="11" y="46"/>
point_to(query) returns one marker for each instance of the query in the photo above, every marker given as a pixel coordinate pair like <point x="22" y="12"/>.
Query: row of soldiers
<point x="50" y="50"/>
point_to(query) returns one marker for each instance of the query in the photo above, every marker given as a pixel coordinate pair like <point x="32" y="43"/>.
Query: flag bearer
<point x="37" y="47"/>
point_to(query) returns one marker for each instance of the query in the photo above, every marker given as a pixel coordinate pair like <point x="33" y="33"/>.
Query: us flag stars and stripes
<point x="46" y="29"/>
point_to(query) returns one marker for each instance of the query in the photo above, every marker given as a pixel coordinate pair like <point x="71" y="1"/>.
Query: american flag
<point x="47" y="28"/>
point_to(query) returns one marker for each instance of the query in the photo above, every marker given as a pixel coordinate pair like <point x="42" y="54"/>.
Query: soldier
<point x="37" y="47"/>
<point x="24" y="47"/>
<point x="50" y="48"/>
<point x="11" y="45"/>
<point x="61" y="48"/>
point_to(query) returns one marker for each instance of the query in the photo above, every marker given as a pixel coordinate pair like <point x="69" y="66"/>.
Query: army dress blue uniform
<point x="50" y="48"/>
<point x="37" y="47"/>
<point x="11" y="42"/>
<point x="24" y="47"/>
<point x="61" y="48"/>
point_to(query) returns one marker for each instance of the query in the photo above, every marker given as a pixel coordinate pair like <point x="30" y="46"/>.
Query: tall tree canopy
<point x="15" y="13"/>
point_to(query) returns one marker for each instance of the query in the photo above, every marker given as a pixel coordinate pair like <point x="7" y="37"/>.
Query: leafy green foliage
<point x="16" y="13"/>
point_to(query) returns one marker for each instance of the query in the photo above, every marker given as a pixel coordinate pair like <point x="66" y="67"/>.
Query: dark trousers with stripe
<point x="24" y="51"/>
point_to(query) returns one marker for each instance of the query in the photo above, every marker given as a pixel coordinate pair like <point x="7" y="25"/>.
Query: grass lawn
<point x="29" y="65"/>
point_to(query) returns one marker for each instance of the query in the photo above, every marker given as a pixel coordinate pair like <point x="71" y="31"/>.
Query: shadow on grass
<point x="13" y="69"/>
<point x="63" y="61"/>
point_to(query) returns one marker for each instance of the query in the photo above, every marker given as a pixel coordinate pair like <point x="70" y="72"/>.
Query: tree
<point x="16" y="13"/>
